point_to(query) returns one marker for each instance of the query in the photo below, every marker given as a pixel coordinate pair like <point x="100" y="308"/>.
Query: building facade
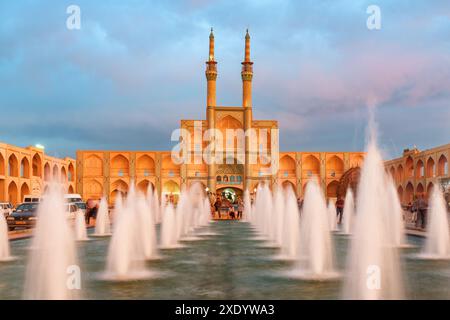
<point x="27" y="171"/>
<point x="107" y="173"/>
<point x="417" y="172"/>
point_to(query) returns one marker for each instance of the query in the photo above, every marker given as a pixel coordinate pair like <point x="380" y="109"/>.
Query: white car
<point x="6" y="208"/>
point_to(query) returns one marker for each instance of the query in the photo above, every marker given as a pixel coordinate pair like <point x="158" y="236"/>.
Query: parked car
<point x="7" y="208"/>
<point x="25" y="215"/>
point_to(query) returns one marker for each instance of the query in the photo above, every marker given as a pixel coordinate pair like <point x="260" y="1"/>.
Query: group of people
<point x="419" y="208"/>
<point x="231" y="210"/>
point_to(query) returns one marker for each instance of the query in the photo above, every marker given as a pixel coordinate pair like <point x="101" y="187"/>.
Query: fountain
<point x="80" y="226"/>
<point x="395" y="216"/>
<point x="247" y="214"/>
<point x="332" y="215"/>
<point x="126" y="253"/>
<point x="278" y="214"/>
<point x="373" y="263"/>
<point x="437" y="244"/>
<point x="53" y="254"/>
<point x="291" y="227"/>
<point x="316" y="260"/>
<point x="169" y="237"/>
<point x="349" y="212"/>
<point x="102" y="223"/>
<point x="4" y="241"/>
<point x="146" y="232"/>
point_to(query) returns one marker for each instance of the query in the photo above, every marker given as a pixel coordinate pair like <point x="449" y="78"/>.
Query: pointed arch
<point x="431" y="170"/>
<point x="13" y="195"/>
<point x="71" y="170"/>
<point x="356" y="161"/>
<point x="93" y="166"/>
<point x="409" y="193"/>
<point x="420" y="191"/>
<point x="144" y="185"/>
<point x="400" y="173"/>
<point x="400" y="193"/>
<point x="430" y="187"/>
<point x="13" y="166"/>
<point x="392" y="172"/>
<point x="145" y="166"/>
<point x="169" y="168"/>
<point x="287" y="166"/>
<point x="25" y="168"/>
<point x="92" y="189"/>
<point x="442" y="167"/>
<point x="63" y="174"/>
<point x="332" y="189"/>
<point x="47" y="172"/>
<point x="420" y="169"/>
<point x="310" y="166"/>
<point x="24" y="190"/>
<point x="118" y="187"/>
<point x="335" y="166"/>
<point x="37" y="165"/>
<point x="409" y="167"/>
<point x="288" y="184"/>
<point x="2" y="190"/>
<point x="120" y="166"/>
<point x="2" y="165"/>
<point x="55" y="173"/>
<point x="70" y="189"/>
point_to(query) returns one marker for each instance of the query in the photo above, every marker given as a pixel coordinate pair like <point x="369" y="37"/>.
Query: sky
<point x="135" y="68"/>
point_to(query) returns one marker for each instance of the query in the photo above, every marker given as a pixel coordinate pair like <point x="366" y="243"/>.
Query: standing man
<point x="422" y="211"/>
<point x="339" y="209"/>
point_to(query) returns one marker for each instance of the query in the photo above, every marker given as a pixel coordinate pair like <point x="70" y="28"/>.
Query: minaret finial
<point x="211" y="46"/>
<point x="247" y="47"/>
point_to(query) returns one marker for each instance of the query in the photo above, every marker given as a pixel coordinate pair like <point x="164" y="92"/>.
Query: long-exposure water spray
<point x="102" y="223"/>
<point x="316" y="259"/>
<point x="437" y="244"/>
<point x="5" y="253"/>
<point x="52" y="255"/>
<point x="373" y="270"/>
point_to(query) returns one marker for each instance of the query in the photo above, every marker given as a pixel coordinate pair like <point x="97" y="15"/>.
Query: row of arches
<point x="421" y="169"/>
<point x="93" y="189"/>
<point x="14" y="192"/>
<point x="120" y="166"/>
<point x="407" y="194"/>
<point x="23" y="169"/>
<point x="334" y="166"/>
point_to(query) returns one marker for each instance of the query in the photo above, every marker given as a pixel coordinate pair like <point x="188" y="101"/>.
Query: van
<point x="72" y="198"/>
<point x="30" y="198"/>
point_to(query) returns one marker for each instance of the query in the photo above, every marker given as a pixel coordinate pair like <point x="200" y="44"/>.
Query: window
<point x="171" y="173"/>
<point x="333" y="174"/>
<point x="309" y="173"/>
<point x="285" y="174"/>
<point x="197" y="174"/>
<point x="120" y="173"/>
<point x="239" y="179"/>
<point x="225" y="178"/>
<point x="232" y="179"/>
<point x="219" y="179"/>
<point x="146" y="173"/>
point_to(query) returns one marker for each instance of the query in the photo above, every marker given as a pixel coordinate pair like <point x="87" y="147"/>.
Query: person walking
<point x="339" y="209"/>
<point x="422" y="206"/>
<point x="240" y="208"/>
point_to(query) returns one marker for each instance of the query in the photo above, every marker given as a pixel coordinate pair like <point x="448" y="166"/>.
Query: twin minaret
<point x="211" y="77"/>
<point x="247" y="74"/>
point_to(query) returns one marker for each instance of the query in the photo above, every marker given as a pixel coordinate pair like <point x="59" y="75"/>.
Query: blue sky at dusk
<point x="135" y="68"/>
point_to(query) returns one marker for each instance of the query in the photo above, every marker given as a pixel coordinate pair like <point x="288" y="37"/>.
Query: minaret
<point x="247" y="76"/>
<point x="211" y="76"/>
